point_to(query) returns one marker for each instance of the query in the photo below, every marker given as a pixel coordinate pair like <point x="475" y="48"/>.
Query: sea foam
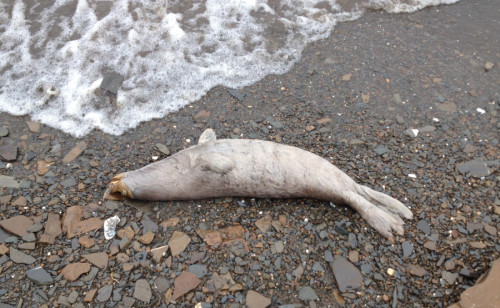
<point x="55" y="54"/>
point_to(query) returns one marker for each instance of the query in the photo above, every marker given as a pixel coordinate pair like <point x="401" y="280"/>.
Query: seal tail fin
<point x="384" y="201"/>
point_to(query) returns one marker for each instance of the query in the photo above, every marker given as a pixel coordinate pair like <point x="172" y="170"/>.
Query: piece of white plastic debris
<point x="435" y="119"/>
<point x="413" y="176"/>
<point x="110" y="227"/>
<point x="480" y="110"/>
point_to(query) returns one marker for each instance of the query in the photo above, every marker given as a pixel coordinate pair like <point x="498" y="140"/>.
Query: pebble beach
<point x="407" y="104"/>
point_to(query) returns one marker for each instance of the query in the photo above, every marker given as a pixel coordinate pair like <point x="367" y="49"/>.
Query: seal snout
<point x="117" y="190"/>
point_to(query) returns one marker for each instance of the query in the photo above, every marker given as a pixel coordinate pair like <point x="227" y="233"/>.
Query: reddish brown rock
<point x="8" y="152"/>
<point x="71" y="272"/>
<point x="3" y="250"/>
<point x="202" y="115"/>
<point x="34" y="127"/>
<point x="158" y="253"/>
<point x="263" y="224"/>
<point x="171" y="222"/>
<point x="430" y="245"/>
<point x="27" y="246"/>
<point x="485" y="293"/>
<point x="147" y="238"/>
<point x="213" y="238"/>
<point x="89" y="297"/>
<point x="75" y="152"/>
<point x="233" y="233"/>
<point x="73" y="225"/>
<point x="86" y="241"/>
<point x="323" y="121"/>
<point x="5" y="199"/>
<point x="52" y="229"/>
<point x="20" y="202"/>
<point x="178" y="242"/>
<point x="256" y="300"/>
<point x="99" y="259"/>
<point x="184" y="283"/>
<point x="127" y="232"/>
<point x="417" y="270"/>
<point x="17" y="225"/>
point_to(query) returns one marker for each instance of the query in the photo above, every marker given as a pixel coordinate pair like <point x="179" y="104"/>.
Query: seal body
<point x="255" y="168"/>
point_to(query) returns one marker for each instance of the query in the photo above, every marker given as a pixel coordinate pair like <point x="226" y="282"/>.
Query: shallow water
<point x="54" y="54"/>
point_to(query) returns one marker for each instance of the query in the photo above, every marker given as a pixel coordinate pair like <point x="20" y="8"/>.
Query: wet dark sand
<point x="425" y="69"/>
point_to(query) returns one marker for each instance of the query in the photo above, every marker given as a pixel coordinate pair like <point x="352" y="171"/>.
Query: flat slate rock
<point x="71" y="272"/>
<point x="75" y="152"/>
<point x="381" y="150"/>
<point x="307" y="294"/>
<point x="99" y="259"/>
<point x="104" y="293"/>
<point x="424" y="226"/>
<point x="142" y="290"/>
<point x="112" y="82"/>
<point x="475" y="167"/>
<point x="8" y="182"/>
<point x="485" y="292"/>
<point x="184" y="283"/>
<point x="8" y="152"/>
<point x="256" y="300"/>
<point x="18" y="257"/>
<point x="39" y="276"/>
<point x="17" y="225"/>
<point x="237" y="94"/>
<point x="407" y="249"/>
<point x="178" y="242"/>
<point x="347" y="275"/>
<point x="4" y="131"/>
<point x="52" y="229"/>
<point x="198" y="269"/>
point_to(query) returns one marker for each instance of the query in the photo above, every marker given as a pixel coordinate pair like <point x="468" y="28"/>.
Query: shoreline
<point x="351" y="99"/>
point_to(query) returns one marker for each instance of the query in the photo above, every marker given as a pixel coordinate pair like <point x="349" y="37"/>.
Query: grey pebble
<point x="68" y="182"/>
<point x="366" y="268"/>
<point x="307" y="294"/>
<point x="4" y="131"/>
<point x="142" y="290"/>
<point x="381" y="150"/>
<point x="104" y="293"/>
<point x="317" y="267"/>
<point x="424" y="226"/>
<point x="407" y="249"/>
<point x="328" y="256"/>
<point x="347" y="275"/>
<point x="35" y="228"/>
<point x="18" y="257"/>
<point x="163" y="148"/>
<point x="72" y="297"/>
<point x="39" y="276"/>
<point x="198" y="269"/>
<point x="161" y="284"/>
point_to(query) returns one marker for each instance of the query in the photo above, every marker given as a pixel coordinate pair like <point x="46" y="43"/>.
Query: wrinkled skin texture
<point x="256" y="168"/>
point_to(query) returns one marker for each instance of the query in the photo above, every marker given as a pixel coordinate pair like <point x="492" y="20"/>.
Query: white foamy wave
<point x="54" y="54"/>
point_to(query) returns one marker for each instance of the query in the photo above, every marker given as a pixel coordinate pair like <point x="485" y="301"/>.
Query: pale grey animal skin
<point x="256" y="168"/>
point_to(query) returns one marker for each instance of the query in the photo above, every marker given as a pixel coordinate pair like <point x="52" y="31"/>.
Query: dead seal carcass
<point x="255" y="168"/>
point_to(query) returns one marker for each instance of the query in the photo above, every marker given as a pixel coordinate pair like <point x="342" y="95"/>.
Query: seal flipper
<point x="379" y="218"/>
<point x="384" y="200"/>
<point x="215" y="162"/>
<point x="208" y="135"/>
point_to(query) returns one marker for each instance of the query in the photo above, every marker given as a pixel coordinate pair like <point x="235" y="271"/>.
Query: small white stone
<point x="413" y="176"/>
<point x="480" y="110"/>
